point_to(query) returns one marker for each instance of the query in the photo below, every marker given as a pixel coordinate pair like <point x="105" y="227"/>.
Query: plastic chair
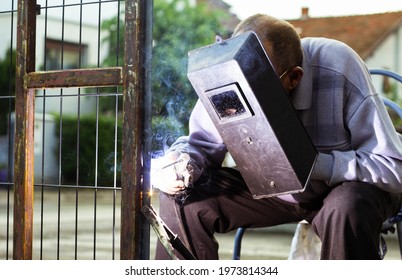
<point x="393" y="224"/>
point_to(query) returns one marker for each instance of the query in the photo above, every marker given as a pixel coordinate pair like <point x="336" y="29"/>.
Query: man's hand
<point x="170" y="173"/>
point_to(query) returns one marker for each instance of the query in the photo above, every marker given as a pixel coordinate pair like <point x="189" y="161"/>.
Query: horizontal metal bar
<point x="98" y="77"/>
<point x="80" y="187"/>
<point x="42" y="95"/>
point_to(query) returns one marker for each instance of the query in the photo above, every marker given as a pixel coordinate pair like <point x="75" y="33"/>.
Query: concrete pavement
<point x="89" y="229"/>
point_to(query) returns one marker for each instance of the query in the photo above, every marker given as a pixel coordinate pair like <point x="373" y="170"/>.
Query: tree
<point x="178" y="27"/>
<point x="7" y="88"/>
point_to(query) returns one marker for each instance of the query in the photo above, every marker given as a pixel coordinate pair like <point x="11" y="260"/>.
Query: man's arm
<point x="204" y="146"/>
<point x="376" y="153"/>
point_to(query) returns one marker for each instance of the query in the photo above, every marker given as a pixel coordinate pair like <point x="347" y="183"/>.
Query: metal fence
<point x="73" y="119"/>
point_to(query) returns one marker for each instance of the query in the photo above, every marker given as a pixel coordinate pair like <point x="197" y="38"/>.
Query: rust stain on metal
<point x="76" y="78"/>
<point x="131" y="77"/>
<point x="24" y="132"/>
<point x="132" y="225"/>
<point x="23" y="170"/>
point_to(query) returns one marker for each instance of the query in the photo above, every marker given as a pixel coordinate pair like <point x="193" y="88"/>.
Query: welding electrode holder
<point x="168" y="239"/>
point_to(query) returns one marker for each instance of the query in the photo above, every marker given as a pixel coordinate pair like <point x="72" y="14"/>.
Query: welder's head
<point x="282" y="44"/>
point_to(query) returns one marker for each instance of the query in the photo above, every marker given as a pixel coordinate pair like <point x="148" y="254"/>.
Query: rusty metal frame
<point x="136" y="119"/>
<point x="136" y="97"/>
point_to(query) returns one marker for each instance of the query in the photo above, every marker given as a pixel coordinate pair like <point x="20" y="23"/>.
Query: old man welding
<point x="244" y="97"/>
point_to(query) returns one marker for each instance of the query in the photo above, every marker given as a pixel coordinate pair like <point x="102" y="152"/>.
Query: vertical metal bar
<point x="115" y="205"/>
<point x="145" y="241"/>
<point x="132" y="220"/>
<point x="95" y="198"/>
<point x="10" y="161"/>
<point x="24" y="131"/>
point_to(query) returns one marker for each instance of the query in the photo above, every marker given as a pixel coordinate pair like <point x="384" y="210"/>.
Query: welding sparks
<point x="168" y="169"/>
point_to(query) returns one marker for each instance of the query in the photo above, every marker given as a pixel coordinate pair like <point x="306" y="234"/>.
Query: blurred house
<point x="60" y="44"/>
<point x="230" y="20"/>
<point x="377" y="38"/>
<point x="371" y="36"/>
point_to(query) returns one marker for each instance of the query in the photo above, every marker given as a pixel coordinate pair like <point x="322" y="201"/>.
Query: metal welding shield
<point x="240" y="90"/>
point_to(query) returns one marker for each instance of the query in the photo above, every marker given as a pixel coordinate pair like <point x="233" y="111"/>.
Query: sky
<point x="291" y="9"/>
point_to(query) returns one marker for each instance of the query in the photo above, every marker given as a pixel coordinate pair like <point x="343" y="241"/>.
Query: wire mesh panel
<point x="77" y="132"/>
<point x="7" y="104"/>
<point x="81" y="118"/>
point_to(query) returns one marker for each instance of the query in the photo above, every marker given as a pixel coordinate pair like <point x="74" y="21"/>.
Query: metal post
<point x="136" y="124"/>
<point x="134" y="241"/>
<point x="24" y="131"/>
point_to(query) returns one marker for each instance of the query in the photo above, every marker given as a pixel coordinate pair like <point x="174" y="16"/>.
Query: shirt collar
<point x="301" y="96"/>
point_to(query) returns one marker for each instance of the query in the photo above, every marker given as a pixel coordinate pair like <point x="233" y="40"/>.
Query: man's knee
<point x="355" y="201"/>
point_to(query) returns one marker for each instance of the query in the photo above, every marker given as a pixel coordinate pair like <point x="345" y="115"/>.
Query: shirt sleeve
<point x="203" y="144"/>
<point x="375" y="156"/>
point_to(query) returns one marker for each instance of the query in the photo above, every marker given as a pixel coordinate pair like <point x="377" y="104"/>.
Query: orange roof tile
<point x="362" y="32"/>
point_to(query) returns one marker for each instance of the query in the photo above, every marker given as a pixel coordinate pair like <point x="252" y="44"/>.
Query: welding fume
<point x="231" y="78"/>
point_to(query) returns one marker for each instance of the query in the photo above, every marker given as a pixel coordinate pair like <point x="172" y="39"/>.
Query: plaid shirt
<point x="344" y="116"/>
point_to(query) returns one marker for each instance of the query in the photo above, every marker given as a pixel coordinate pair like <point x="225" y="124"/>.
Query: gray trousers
<point x="347" y="219"/>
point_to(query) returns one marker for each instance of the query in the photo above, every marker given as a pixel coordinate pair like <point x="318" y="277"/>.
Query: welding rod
<point x="172" y="163"/>
<point x="183" y="157"/>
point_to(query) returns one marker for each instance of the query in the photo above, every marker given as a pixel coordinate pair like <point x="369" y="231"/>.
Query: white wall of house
<point x="388" y="55"/>
<point x="46" y="165"/>
<point x="45" y="150"/>
<point x="89" y="36"/>
<point x="5" y="30"/>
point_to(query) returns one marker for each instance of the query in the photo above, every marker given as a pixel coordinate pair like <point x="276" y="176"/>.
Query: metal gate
<point x="74" y="200"/>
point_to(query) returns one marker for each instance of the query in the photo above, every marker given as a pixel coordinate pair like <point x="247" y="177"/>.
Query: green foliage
<point x="7" y="88"/>
<point x="92" y="164"/>
<point x="391" y="91"/>
<point x="178" y="27"/>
